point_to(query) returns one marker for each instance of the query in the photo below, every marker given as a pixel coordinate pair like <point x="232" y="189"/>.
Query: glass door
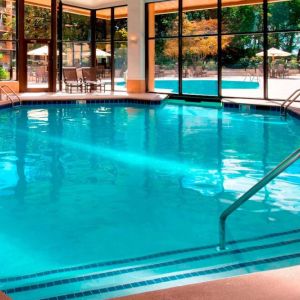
<point x="37" y="66"/>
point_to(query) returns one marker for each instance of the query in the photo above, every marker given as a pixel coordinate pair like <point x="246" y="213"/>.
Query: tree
<point x="196" y="47"/>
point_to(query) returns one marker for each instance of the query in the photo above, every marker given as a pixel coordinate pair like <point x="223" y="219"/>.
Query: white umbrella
<point x="101" y="53"/>
<point x="273" y="52"/>
<point x="42" y="51"/>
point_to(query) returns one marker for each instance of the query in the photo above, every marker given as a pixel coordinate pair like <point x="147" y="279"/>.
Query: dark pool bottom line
<point x="145" y="257"/>
<point x="147" y="267"/>
<point x="160" y="280"/>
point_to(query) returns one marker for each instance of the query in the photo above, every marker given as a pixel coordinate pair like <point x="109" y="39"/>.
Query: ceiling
<point x="92" y="4"/>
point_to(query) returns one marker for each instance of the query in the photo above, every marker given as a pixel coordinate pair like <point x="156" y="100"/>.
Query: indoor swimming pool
<point x="105" y="200"/>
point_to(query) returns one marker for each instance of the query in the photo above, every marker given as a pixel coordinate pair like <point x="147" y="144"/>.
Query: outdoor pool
<point x="98" y="201"/>
<point x="199" y="86"/>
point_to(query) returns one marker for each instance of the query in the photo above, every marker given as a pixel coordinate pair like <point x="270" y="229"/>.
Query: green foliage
<point x="121" y="29"/>
<point x="242" y="18"/>
<point x="242" y="49"/>
<point x="76" y="27"/>
<point x="284" y="15"/>
<point x="37" y="22"/>
<point x="211" y="65"/>
<point x="293" y="64"/>
<point x="121" y="34"/>
<point x="4" y="75"/>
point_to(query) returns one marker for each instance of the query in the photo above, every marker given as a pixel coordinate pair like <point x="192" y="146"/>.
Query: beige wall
<point x="14" y="85"/>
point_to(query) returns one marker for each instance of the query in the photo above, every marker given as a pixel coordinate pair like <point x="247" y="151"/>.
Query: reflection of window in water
<point x="206" y="182"/>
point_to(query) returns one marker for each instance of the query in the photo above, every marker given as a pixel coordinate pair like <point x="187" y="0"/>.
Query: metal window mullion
<point x="93" y="38"/>
<point x="219" y="13"/>
<point x="112" y="45"/>
<point x="180" y="47"/>
<point x="266" y="46"/>
<point x="60" y="43"/>
<point x="147" y="46"/>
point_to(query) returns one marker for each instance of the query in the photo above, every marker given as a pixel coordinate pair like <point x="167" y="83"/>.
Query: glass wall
<point x="224" y="48"/>
<point x="111" y="44"/>
<point x="284" y="48"/>
<point x="104" y="40"/>
<point x="242" y="41"/>
<point x="37" y="34"/>
<point x="8" y="40"/>
<point x="37" y="20"/>
<point x="120" y="47"/>
<point x="76" y="37"/>
<point x="199" y="49"/>
<point x="163" y="47"/>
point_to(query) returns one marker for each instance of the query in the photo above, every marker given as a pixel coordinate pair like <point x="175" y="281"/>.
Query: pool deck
<point x="144" y="98"/>
<point x="3" y="296"/>
<point x="92" y="96"/>
<point x="270" y="285"/>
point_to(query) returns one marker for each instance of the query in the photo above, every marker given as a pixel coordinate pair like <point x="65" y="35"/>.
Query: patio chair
<point x="101" y="71"/>
<point x="200" y="72"/>
<point x="91" y="81"/>
<point x="71" y="80"/>
<point x="282" y="72"/>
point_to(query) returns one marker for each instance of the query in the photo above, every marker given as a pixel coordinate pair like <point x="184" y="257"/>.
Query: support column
<point x="151" y="47"/>
<point x="21" y="58"/>
<point x="93" y="39"/>
<point x="53" y="47"/>
<point x="136" y="82"/>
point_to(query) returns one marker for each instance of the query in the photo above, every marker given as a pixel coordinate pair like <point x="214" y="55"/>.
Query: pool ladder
<point x="288" y="102"/>
<point x="256" y="188"/>
<point x="10" y="95"/>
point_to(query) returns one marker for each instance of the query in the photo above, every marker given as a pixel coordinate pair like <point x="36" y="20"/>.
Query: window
<point x="8" y="40"/>
<point x="111" y="46"/>
<point x="163" y="47"/>
<point x="38" y="20"/>
<point x="224" y="48"/>
<point x="76" y="37"/>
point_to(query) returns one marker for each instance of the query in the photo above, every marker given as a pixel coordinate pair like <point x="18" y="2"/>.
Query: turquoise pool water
<point x="200" y="86"/>
<point x="90" y="190"/>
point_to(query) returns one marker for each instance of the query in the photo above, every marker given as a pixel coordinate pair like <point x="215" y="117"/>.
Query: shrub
<point x="3" y="74"/>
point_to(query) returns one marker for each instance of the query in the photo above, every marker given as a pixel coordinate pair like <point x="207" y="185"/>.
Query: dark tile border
<point x="146" y="257"/>
<point x="254" y="107"/>
<point x="91" y="101"/>
<point x="106" y="274"/>
<point x="294" y="114"/>
<point x="158" y="280"/>
<point x="5" y="106"/>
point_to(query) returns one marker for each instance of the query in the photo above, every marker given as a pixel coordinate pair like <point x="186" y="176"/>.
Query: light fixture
<point x="133" y="39"/>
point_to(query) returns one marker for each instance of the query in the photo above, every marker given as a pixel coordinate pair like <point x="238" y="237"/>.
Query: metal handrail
<point x="2" y="90"/>
<point x="290" y="100"/>
<point x="7" y="95"/>
<point x="262" y="183"/>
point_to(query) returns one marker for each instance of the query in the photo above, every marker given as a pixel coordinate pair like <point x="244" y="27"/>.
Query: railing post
<point x="222" y="232"/>
<point x="251" y="192"/>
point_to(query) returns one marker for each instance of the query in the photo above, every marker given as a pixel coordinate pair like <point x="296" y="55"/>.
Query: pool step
<point x="153" y="272"/>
